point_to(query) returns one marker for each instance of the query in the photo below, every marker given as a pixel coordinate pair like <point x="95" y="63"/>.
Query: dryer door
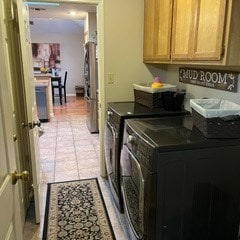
<point x="112" y="163"/>
<point x="110" y="147"/>
<point x="132" y="184"/>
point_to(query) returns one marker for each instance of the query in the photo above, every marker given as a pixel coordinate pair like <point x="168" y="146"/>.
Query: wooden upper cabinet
<point x="209" y="30"/>
<point x="157" y="29"/>
<point x="198" y="29"/>
<point x="182" y="29"/>
<point x="192" y="32"/>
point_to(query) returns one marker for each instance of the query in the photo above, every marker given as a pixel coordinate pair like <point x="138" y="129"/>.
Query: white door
<point x="22" y="14"/>
<point x="20" y="56"/>
<point x="10" y="219"/>
<point x="6" y="189"/>
<point x="9" y="193"/>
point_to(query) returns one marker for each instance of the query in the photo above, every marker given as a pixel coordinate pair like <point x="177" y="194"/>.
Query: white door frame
<point x="101" y="71"/>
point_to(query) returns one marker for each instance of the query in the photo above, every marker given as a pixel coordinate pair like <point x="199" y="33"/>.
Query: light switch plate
<point x="110" y="78"/>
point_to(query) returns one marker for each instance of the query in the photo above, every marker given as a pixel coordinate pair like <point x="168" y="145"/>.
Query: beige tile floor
<point x="69" y="152"/>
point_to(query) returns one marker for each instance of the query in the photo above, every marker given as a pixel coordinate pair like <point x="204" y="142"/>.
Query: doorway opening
<point x="66" y="140"/>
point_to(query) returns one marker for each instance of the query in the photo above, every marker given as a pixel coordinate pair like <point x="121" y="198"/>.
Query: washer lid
<point x="135" y="110"/>
<point x="174" y="133"/>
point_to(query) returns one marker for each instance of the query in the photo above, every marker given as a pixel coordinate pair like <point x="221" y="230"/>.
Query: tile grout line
<point x="55" y="152"/>
<point x="75" y="152"/>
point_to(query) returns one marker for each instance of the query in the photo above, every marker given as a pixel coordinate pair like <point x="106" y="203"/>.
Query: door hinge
<point x="14" y="137"/>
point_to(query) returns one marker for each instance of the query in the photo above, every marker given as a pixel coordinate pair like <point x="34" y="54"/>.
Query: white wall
<point x="71" y="49"/>
<point x="123" y="43"/>
<point x="197" y="91"/>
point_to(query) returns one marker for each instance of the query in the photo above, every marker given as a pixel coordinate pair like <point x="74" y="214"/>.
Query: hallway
<point x="69" y="152"/>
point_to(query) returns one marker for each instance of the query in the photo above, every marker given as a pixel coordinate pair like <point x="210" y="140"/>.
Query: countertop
<point x="42" y="75"/>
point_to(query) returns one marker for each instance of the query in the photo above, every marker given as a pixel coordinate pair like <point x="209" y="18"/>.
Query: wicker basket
<point x="151" y="97"/>
<point x="173" y="101"/>
<point x="216" y="127"/>
<point x="151" y="100"/>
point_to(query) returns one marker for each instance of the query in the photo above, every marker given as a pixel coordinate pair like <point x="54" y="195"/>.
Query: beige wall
<point x="123" y="43"/>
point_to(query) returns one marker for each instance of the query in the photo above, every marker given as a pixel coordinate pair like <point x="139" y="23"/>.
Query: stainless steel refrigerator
<point x="91" y="86"/>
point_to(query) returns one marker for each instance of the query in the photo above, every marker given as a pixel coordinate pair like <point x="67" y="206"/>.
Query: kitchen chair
<point x="57" y="84"/>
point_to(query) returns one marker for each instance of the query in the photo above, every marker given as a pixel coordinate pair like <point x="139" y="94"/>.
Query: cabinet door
<point x="183" y="26"/>
<point x="149" y="29"/>
<point x="157" y="29"/>
<point x="208" y="39"/>
<point x="163" y="30"/>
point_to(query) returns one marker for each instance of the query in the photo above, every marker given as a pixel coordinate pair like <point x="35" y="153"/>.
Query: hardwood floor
<point x="73" y="106"/>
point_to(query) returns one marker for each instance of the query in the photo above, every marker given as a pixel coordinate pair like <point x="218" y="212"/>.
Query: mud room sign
<point x="221" y="80"/>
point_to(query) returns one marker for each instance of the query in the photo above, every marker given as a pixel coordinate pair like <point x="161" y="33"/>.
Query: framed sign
<point x="221" y="80"/>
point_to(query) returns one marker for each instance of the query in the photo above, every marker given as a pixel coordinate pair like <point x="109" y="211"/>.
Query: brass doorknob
<point x="23" y="176"/>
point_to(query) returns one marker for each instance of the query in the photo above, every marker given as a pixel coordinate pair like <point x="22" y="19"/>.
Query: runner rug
<point x="76" y="210"/>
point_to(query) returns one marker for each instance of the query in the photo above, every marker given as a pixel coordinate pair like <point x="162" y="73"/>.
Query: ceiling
<point x="63" y="11"/>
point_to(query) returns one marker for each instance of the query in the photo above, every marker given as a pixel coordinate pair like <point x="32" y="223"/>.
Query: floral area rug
<point x="76" y="210"/>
